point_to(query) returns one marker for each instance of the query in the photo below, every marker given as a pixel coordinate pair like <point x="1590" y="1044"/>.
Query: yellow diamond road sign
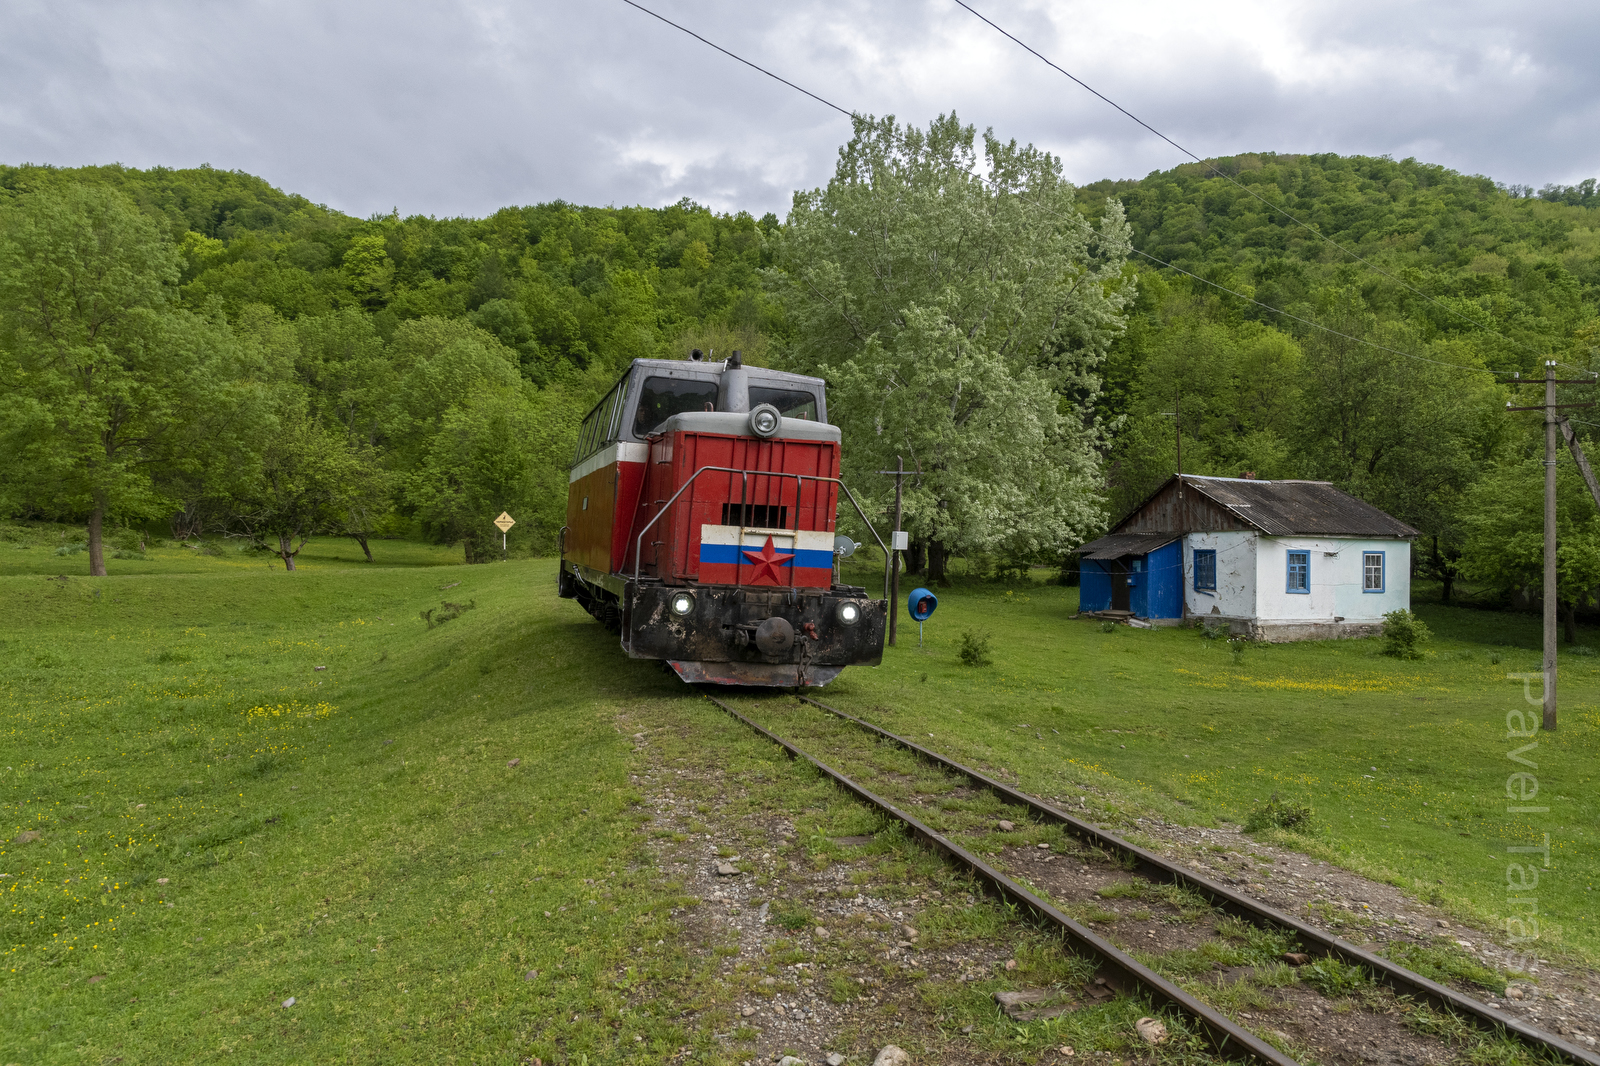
<point x="505" y="521"/>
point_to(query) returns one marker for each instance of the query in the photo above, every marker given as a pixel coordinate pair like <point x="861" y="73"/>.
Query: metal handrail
<point x="638" y="543"/>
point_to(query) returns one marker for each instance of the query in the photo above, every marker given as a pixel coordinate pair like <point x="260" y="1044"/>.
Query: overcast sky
<point x="461" y="108"/>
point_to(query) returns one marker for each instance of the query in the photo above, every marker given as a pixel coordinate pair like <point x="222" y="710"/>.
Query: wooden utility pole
<point x="894" y="567"/>
<point x="1550" y="544"/>
<point x="1177" y="426"/>
<point x="899" y="473"/>
<point x="1552" y="423"/>
<point x="1583" y="462"/>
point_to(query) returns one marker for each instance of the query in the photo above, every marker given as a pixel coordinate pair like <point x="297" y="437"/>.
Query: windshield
<point x="661" y="398"/>
<point x="791" y="403"/>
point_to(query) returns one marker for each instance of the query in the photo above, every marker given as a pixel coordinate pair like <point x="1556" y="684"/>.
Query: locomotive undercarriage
<point x="736" y="634"/>
<point x="743" y="635"/>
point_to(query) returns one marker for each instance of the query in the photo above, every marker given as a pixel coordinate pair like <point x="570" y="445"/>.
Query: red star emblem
<point x="767" y="561"/>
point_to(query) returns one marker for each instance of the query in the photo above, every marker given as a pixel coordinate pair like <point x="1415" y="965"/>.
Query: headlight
<point x="765" y="420"/>
<point x="847" y="613"/>
<point x="682" y="603"/>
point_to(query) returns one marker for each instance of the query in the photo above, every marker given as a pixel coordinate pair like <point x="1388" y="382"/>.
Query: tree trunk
<point x="283" y="551"/>
<point x="916" y="557"/>
<point x="97" y="548"/>
<point x="1447" y="581"/>
<point x="1571" y="620"/>
<point x="361" y="539"/>
<point x="468" y="546"/>
<point x="937" y="558"/>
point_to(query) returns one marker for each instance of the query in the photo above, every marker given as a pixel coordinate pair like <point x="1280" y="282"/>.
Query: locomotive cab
<point x="701" y="512"/>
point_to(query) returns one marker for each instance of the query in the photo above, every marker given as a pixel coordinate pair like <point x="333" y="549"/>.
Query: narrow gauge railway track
<point x="1122" y="970"/>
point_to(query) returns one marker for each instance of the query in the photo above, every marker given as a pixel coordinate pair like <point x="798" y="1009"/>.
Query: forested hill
<point x="1525" y="265"/>
<point x="1503" y="279"/>
<point x="566" y="287"/>
<point x="565" y="295"/>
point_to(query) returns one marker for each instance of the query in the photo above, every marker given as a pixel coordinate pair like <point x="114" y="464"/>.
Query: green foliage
<point x="974" y="650"/>
<point x="1404" y="634"/>
<point x="1509" y="277"/>
<point x="386" y="332"/>
<point x="103" y="381"/>
<point x="793" y="917"/>
<point x="1445" y="962"/>
<point x="1504" y="523"/>
<point x="959" y="326"/>
<point x="1280" y="814"/>
<point x="1010" y="350"/>
<point x="1335" y="978"/>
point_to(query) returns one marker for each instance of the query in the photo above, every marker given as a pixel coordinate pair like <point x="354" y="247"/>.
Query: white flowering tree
<point x="959" y="323"/>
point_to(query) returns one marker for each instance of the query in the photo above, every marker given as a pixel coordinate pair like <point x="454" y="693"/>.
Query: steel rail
<point x="1241" y="905"/>
<point x="1126" y="973"/>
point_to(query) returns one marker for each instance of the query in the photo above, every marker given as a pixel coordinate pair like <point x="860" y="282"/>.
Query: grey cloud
<point x="460" y="108"/>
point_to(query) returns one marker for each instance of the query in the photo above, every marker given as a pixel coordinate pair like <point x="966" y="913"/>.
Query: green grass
<point x="34" y="548"/>
<point x="350" y="836"/>
<point x="353" y="836"/>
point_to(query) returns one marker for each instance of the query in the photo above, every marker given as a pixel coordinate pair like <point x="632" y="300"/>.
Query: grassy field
<point x="248" y="789"/>
<point x="254" y="785"/>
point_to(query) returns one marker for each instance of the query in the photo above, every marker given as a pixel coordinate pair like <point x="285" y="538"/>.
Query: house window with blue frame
<point x="1205" y="569"/>
<point x="1300" y="572"/>
<point x="1372" y="571"/>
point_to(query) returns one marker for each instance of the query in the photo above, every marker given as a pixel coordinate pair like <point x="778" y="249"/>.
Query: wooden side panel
<point x="591" y="510"/>
<point x="1166" y="513"/>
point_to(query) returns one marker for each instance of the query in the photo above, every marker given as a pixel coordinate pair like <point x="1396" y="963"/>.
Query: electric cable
<point x="741" y="59"/>
<point x="1316" y="325"/>
<point x="1136" y="251"/>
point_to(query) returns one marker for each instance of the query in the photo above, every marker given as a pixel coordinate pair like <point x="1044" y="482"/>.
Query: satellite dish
<point x="844" y="547"/>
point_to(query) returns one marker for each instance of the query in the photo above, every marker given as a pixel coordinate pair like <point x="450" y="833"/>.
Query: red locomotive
<point x="700" y="526"/>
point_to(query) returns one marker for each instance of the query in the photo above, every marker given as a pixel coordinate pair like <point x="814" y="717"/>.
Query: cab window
<point x="661" y="398"/>
<point x="791" y="403"/>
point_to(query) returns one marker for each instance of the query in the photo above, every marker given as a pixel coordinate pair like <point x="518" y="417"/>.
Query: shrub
<point x="1403" y="635"/>
<point x="1334" y="978"/>
<point x="72" y="549"/>
<point x="975" y="648"/>
<point x="1280" y="814"/>
<point x="1213" y="630"/>
<point x="1108" y="627"/>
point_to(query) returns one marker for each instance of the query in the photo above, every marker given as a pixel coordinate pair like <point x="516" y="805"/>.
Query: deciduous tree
<point x="101" y="380"/>
<point x="960" y="323"/>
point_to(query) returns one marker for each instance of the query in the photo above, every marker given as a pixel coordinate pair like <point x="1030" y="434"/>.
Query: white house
<point x="1274" y="560"/>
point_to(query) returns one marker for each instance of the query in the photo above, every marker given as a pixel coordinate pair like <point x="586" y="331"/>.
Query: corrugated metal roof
<point x="1299" y="508"/>
<point x="1116" y="545"/>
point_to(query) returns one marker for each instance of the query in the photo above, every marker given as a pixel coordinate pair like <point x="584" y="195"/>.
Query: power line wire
<point x="1316" y="325"/>
<point x="1214" y="169"/>
<point x="1147" y="255"/>
<point x="741" y="59"/>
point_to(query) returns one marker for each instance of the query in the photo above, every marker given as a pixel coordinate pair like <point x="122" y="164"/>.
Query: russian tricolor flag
<point x="750" y="556"/>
